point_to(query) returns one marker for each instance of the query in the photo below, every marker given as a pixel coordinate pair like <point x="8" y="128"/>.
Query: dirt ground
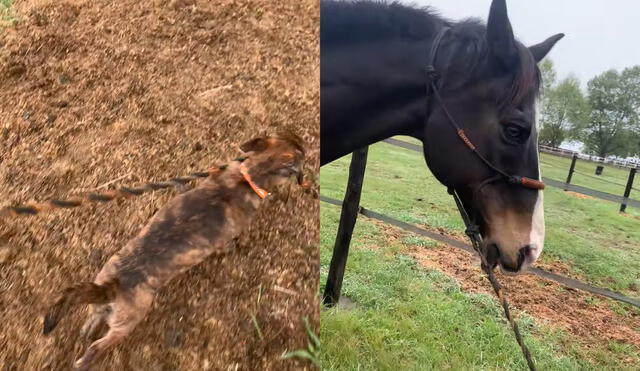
<point x="578" y="195"/>
<point x="92" y="91"/>
<point x="587" y="317"/>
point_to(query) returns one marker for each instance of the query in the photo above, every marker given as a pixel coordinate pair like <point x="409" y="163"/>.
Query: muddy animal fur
<point x="190" y="228"/>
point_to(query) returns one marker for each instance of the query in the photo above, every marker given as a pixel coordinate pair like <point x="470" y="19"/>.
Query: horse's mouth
<point x="492" y="256"/>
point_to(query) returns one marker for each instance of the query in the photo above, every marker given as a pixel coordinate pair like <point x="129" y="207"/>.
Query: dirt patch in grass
<point x="586" y="316"/>
<point x="93" y="91"/>
<point x="394" y="234"/>
<point x="578" y="195"/>
<point x="579" y="313"/>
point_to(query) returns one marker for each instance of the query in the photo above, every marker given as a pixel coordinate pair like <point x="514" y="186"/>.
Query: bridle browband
<point x="472" y="228"/>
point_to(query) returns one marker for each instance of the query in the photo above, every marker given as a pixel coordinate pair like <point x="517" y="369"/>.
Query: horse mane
<point x="361" y="21"/>
<point x="365" y="21"/>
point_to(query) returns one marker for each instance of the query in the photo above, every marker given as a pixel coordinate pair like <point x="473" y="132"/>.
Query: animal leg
<point x="96" y="322"/>
<point x="113" y="337"/>
<point x="126" y="312"/>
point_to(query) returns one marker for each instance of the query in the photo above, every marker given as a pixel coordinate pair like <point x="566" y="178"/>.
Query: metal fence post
<point x="571" y="169"/>
<point x="350" y="208"/>
<point x="627" y="190"/>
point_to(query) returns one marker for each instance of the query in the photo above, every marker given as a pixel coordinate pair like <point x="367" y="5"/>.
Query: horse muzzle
<point x="511" y="263"/>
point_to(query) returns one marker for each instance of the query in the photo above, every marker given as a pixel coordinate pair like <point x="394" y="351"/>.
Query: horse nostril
<point x="522" y="255"/>
<point x="492" y="254"/>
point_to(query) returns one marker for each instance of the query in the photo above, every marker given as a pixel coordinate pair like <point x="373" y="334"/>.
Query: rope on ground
<point x="106" y="196"/>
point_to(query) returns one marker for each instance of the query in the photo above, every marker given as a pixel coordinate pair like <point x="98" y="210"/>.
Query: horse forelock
<point x="474" y="52"/>
<point x="526" y="81"/>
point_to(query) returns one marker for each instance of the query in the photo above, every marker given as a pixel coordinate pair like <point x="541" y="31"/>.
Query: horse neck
<point x="366" y="100"/>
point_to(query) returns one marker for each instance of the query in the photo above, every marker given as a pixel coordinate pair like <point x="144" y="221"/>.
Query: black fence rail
<point x="624" y="200"/>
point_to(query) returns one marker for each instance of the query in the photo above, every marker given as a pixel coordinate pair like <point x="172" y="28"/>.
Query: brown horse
<point x="373" y="86"/>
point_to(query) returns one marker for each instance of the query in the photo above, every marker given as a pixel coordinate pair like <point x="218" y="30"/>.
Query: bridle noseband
<point x="432" y="77"/>
<point x="473" y="230"/>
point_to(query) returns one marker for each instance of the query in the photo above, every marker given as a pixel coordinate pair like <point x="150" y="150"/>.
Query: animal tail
<point x="80" y="293"/>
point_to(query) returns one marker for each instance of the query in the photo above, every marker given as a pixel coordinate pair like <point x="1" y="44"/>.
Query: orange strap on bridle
<point x="523" y="181"/>
<point x="531" y="183"/>
<point x="466" y="140"/>
<point x="261" y="192"/>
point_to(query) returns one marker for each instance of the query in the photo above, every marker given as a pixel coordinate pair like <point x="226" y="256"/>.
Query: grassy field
<point x="407" y="317"/>
<point x="410" y="318"/>
<point x="613" y="179"/>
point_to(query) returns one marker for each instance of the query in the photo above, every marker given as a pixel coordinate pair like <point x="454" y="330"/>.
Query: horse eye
<point x="514" y="133"/>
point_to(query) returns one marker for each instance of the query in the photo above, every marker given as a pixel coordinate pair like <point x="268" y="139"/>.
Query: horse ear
<point x="502" y="43"/>
<point x="539" y="51"/>
<point x="254" y="145"/>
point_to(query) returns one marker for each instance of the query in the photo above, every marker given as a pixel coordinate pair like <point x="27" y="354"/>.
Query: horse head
<point x="489" y="84"/>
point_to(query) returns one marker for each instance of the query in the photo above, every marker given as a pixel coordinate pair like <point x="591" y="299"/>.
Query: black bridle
<point x="472" y="228"/>
<point x="432" y="77"/>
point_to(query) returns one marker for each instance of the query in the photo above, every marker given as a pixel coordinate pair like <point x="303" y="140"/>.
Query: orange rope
<point x="262" y="193"/>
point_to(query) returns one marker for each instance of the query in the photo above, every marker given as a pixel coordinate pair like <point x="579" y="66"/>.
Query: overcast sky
<point x="599" y="34"/>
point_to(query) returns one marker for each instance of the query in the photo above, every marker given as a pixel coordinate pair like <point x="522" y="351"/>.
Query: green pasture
<point x="613" y="179"/>
<point x="410" y="318"/>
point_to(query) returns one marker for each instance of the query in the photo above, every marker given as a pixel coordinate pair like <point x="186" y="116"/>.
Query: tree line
<point x="606" y="119"/>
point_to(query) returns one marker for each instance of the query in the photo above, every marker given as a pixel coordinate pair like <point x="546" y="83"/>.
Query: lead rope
<point x="473" y="232"/>
<point x="110" y="195"/>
